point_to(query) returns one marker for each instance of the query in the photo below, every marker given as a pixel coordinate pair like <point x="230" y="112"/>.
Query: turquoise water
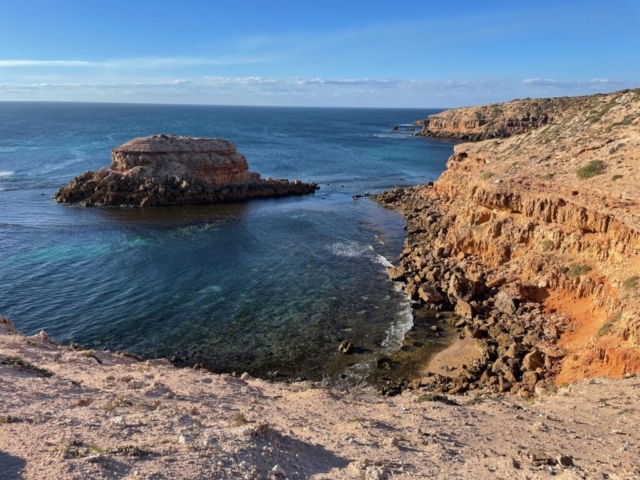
<point x="261" y="286"/>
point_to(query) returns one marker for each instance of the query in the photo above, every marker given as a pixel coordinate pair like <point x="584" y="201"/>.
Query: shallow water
<point x="261" y="286"/>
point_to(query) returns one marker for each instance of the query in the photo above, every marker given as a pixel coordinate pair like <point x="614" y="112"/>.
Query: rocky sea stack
<point x="172" y="170"/>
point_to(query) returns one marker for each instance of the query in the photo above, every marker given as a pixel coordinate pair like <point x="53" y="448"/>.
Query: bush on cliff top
<point x="591" y="169"/>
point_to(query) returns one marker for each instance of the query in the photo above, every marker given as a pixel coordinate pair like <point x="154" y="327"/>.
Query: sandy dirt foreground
<point x="73" y="414"/>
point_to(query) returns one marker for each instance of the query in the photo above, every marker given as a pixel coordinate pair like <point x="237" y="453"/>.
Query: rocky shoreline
<point x="163" y="170"/>
<point x="529" y="242"/>
<point x="516" y="340"/>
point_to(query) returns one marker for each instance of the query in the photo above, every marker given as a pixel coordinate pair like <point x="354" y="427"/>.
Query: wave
<point x="397" y="331"/>
<point x="391" y="135"/>
<point x="354" y="250"/>
<point x="6" y="173"/>
<point x="383" y="261"/>
<point x="349" y="249"/>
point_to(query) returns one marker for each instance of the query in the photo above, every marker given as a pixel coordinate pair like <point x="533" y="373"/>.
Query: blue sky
<point x="329" y="53"/>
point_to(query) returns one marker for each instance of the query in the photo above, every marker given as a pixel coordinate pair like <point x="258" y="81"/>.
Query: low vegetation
<point x="487" y="175"/>
<point x="25" y="366"/>
<point x="631" y="282"/>
<point x="591" y="169"/>
<point x="237" y="419"/>
<point x="547" y="245"/>
<point x="604" y="329"/>
<point x="436" y="397"/>
<point x="578" y="269"/>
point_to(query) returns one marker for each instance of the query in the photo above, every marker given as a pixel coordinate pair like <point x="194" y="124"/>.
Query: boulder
<point x="396" y="273"/>
<point x="461" y="288"/>
<point x="464" y="309"/>
<point x="508" y="298"/>
<point x="505" y="304"/>
<point x="529" y="379"/>
<point x="532" y="360"/>
<point x="429" y="294"/>
<point x="345" y="347"/>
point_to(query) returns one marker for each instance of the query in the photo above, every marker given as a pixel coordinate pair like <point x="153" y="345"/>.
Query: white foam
<point x="6" y="173"/>
<point x="383" y="261"/>
<point x="354" y="249"/>
<point x="397" y="331"/>
<point x="349" y="249"/>
<point x="390" y="135"/>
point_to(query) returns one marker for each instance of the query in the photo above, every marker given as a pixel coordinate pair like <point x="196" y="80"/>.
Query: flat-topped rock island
<point x="162" y="170"/>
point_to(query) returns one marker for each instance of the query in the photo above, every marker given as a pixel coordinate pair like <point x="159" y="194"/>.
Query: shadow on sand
<point x="11" y="467"/>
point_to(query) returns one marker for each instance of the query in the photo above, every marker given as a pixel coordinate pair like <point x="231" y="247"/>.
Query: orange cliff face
<point x="555" y="209"/>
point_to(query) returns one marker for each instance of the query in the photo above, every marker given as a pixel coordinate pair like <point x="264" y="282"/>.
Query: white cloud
<point x="47" y="63"/>
<point x="553" y="84"/>
<point x="348" y="81"/>
<point x="140" y="63"/>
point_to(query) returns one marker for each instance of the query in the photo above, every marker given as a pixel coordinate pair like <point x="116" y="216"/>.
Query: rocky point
<point x="174" y="170"/>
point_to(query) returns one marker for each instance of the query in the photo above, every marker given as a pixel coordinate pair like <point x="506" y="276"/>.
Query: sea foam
<point x="397" y="331"/>
<point x="6" y="173"/>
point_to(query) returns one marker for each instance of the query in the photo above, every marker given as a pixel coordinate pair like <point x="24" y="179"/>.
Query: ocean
<point x="264" y="286"/>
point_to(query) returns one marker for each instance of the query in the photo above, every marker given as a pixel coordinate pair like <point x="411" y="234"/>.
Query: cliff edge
<point x="534" y="239"/>
<point x="174" y="170"/>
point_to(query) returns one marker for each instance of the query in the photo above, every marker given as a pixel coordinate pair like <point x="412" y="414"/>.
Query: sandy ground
<point x="449" y="361"/>
<point x="105" y="416"/>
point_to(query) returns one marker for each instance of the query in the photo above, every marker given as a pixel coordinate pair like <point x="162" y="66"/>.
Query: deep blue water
<point x="259" y="286"/>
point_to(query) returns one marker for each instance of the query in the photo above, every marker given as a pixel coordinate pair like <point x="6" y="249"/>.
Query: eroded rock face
<point x="174" y="170"/>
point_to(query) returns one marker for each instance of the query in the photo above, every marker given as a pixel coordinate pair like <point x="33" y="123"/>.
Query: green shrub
<point x="631" y="282"/>
<point x="578" y="269"/>
<point x="616" y="177"/>
<point x="487" y="176"/>
<point x="436" y="397"/>
<point x="613" y="150"/>
<point x="604" y="329"/>
<point x="548" y="176"/>
<point x="547" y="245"/>
<point x="591" y="169"/>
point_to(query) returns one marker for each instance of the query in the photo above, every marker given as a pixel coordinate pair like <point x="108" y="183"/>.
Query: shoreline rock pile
<point x="516" y="339"/>
<point x="164" y="170"/>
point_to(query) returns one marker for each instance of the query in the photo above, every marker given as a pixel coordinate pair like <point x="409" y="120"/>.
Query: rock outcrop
<point x="501" y="120"/>
<point x="534" y="241"/>
<point x="173" y="170"/>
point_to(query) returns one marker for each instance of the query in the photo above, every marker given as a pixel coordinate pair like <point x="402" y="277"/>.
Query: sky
<point x="349" y="53"/>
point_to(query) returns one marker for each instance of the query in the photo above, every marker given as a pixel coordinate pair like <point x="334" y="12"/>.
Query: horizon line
<point x="86" y="102"/>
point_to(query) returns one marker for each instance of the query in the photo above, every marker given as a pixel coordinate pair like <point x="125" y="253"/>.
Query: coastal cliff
<point x="534" y="239"/>
<point x="173" y="170"/>
<point x="501" y="120"/>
